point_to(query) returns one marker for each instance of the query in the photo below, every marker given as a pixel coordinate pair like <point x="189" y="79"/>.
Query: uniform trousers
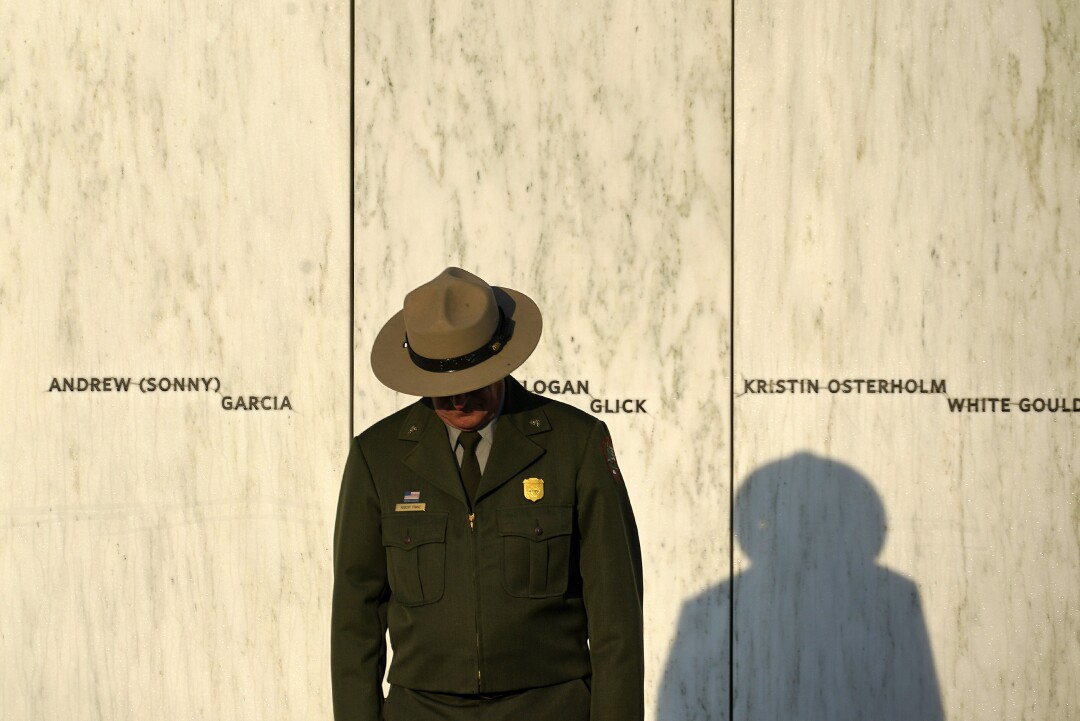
<point x="567" y="701"/>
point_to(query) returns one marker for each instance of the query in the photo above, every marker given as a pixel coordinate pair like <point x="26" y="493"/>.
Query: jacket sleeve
<point x="611" y="578"/>
<point x="358" y="619"/>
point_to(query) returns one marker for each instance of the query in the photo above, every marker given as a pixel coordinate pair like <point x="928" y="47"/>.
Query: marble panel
<point x="578" y="153"/>
<point x="906" y="183"/>
<point x="173" y="205"/>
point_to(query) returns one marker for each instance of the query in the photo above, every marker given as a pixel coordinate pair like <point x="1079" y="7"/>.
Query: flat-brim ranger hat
<point x="455" y="334"/>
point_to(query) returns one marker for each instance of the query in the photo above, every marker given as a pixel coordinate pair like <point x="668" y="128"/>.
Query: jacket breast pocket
<point x="536" y="545"/>
<point x="415" y="556"/>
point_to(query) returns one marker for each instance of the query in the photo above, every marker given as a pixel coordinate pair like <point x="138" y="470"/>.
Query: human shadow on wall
<point x="822" y="632"/>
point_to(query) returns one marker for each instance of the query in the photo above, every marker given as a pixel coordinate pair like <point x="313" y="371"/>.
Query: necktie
<point x="470" y="467"/>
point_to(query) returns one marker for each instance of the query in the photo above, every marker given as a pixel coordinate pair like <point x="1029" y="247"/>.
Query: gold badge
<point x="534" y="489"/>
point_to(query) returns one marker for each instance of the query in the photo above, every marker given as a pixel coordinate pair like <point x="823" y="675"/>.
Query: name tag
<point x="411" y="507"/>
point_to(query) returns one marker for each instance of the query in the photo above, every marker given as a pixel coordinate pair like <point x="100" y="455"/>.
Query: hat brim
<point x="394" y="368"/>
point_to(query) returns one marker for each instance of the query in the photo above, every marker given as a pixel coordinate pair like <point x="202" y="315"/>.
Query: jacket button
<point x="538" y="531"/>
<point x="408" y="540"/>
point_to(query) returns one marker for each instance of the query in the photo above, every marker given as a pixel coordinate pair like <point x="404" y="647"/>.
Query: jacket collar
<point x="512" y="450"/>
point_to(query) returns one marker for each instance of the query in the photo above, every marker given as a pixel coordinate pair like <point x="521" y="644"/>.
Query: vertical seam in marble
<point x="731" y="386"/>
<point x="352" y="216"/>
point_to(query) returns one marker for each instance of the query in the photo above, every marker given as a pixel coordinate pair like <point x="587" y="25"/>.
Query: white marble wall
<point x="906" y="207"/>
<point x="174" y="185"/>
<point x="578" y="153"/>
<point x="174" y="202"/>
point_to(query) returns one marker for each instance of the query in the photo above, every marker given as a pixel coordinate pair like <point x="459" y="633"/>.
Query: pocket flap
<point x="409" y="530"/>
<point x="536" y="523"/>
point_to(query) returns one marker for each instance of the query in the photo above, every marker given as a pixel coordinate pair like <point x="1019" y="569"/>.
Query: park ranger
<point x="488" y="528"/>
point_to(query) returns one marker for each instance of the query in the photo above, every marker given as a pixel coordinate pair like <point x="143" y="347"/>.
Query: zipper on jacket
<point x="476" y="590"/>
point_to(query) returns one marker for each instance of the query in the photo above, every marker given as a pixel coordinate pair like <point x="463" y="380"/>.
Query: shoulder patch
<point x="609" y="456"/>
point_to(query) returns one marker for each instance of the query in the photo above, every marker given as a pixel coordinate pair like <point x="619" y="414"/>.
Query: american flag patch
<point x="412" y="497"/>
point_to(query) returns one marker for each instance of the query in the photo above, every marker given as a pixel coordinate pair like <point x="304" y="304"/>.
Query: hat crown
<point x="461" y="333"/>
<point x="452" y="315"/>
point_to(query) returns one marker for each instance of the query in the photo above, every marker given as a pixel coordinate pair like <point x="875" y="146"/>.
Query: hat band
<point x="461" y="362"/>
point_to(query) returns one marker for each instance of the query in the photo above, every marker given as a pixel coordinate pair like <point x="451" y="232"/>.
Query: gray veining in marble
<point x="578" y="154"/>
<point x="173" y="203"/>
<point x="906" y="185"/>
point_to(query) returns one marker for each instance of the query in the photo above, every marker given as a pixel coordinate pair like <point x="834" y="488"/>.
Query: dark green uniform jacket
<point x="509" y="595"/>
